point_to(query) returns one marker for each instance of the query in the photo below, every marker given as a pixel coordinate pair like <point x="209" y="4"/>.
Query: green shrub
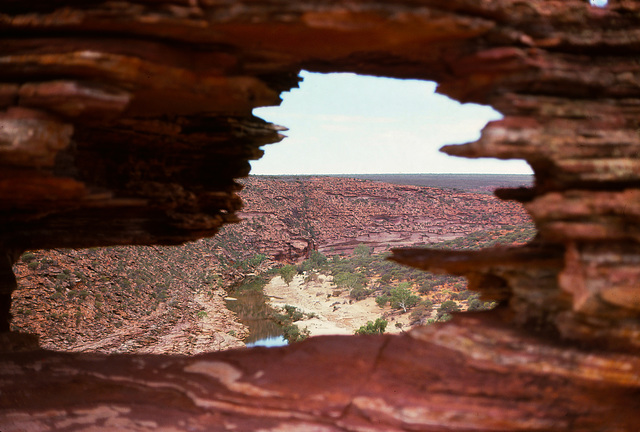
<point x="293" y="312"/>
<point x="252" y="283"/>
<point x="446" y="308"/>
<point x="359" y="293"/>
<point x="28" y="257"/>
<point x="256" y="260"/>
<point x="475" y="304"/>
<point x="377" y="327"/>
<point x="385" y="278"/>
<point x="279" y="318"/>
<point x="292" y="333"/>
<point x="403" y="298"/>
<point x="287" y="273"/>
<point x="462" y="295"/>
<point x="382" y="300"/>
<point x="428" y="286"/>
<point x="362" y="250"/>
<point x="349" y="280"/>
<point x="316" y="261"/>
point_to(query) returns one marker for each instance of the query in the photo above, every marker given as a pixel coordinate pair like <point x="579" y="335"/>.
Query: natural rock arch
<point x="126" y="123"/>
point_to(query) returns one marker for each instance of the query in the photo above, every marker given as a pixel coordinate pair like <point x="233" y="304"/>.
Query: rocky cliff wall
<point x="288" y="218"/>
<point x="126" y="122"/>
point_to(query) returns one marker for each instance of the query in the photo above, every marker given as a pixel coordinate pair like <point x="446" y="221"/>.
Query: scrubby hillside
<point x="126" y="299"/>
<point x="171" y="299"/>
<point x="344" y="292"/>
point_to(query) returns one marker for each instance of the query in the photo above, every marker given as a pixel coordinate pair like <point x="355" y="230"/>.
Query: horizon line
<point x="370" y="174"/>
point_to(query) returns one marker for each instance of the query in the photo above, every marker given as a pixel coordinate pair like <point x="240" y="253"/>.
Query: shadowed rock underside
<point x="127" y="123"/>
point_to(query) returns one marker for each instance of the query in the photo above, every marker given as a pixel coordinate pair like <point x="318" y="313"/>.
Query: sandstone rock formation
<point x="290" y="217"/>
<point x="126" y="122"/>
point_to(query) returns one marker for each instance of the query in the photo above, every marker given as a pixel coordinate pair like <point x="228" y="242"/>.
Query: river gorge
<point x="172" y="299"/>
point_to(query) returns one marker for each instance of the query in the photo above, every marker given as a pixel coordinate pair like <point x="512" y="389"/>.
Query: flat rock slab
<point x="463" y="375"/>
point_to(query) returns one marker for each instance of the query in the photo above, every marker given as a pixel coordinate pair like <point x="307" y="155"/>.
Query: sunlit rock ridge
<point x="127" y="123"/>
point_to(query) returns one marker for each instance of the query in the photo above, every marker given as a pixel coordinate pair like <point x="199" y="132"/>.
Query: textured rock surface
<point x="126" y="122"/>
<point x="289" y="218"/>
<point x="471" y="375"/>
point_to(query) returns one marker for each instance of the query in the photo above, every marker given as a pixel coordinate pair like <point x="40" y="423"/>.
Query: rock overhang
<point x="127" y="123"/>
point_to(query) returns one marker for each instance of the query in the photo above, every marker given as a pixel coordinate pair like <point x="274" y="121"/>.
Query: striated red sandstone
<point x="156" y="124"/>
<point x="289" y="217"/>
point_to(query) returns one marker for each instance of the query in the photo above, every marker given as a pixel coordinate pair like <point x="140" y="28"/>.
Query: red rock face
<point x="291" y="217"/>
<point x="126" y="123"/>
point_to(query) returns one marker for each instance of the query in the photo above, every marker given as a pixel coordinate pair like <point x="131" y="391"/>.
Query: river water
<point x="251" y="307"/>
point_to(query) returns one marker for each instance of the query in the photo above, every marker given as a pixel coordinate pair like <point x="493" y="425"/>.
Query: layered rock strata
<point x="126" y="122"/>
<point x="288" y="218"/>
<point x="441" y="378"/>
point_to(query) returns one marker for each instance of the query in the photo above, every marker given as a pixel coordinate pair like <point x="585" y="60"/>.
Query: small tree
<point x="475" y="304"/>
<point x="403" y="298"/>
<point x="292" y="333"/>
<point x="288" y="272"/>
<point x="428" y="286"/>
<point x="382" y="300"/>
<point x="359" y="293"/>
<point x="447" y="307"/>
<point x="377" y="327"/>
<point x="349" y="280"/>
<point x="362" y="250"/>
<point x="318" y="259"/>
<point x="385" y="278"/>
<point x="294" y="313"/>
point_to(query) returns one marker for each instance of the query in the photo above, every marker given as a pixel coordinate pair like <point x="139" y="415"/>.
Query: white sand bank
<point x="335" y="315"/>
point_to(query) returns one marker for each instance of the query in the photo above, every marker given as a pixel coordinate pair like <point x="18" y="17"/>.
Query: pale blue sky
<point x="350" y="124"/>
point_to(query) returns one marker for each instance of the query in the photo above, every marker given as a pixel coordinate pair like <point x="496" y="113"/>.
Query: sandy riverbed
<point x="335" y="314"/>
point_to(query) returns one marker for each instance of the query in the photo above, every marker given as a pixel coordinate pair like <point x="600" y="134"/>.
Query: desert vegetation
<point x="172" y="299"/>
<point x="425" y="297"/>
